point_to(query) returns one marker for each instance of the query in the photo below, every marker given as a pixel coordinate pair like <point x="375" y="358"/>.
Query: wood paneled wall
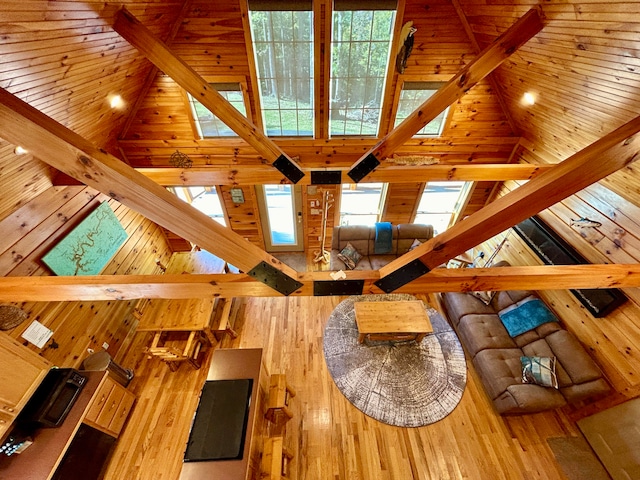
<point x="402" y="202"/>
<point x="64" y="59"/>
<point x="21" y="179"/>
<point x="244" y="218"/>
<point x="582" y="68"/>
<point x="32" y="230"/>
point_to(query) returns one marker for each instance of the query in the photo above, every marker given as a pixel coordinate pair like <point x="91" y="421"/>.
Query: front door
<point x="281" y="217"/>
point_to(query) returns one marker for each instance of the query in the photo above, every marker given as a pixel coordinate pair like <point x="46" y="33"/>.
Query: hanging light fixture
<point x="180" y="160"/>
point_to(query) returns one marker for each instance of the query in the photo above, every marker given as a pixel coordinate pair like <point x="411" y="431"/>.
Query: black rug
<point x="404" y="384"/>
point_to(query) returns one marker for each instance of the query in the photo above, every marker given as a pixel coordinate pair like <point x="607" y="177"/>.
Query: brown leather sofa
<point x="496" y="355"/>
<point x="363" y="238"/>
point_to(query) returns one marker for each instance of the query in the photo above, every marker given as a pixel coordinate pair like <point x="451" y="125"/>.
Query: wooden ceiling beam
<point x="487" y="61"/>
<point x="166" y="60"/>
<point x="51" y="142"/>
<point x="605" y="156"/>
<point x="128" y="287"/>
<point x="262" y="175"/>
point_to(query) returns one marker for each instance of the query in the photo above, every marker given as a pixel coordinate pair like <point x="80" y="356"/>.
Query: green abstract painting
<point x="89" y="246"/>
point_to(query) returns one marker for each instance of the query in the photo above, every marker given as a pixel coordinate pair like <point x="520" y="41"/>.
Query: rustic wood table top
<point x="392" y="317"/>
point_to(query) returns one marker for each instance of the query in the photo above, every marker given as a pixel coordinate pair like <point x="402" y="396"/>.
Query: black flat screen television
<point x="220" y="423"/>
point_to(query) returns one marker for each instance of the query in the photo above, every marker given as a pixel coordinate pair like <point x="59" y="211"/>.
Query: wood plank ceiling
<point x="64" y="59"/>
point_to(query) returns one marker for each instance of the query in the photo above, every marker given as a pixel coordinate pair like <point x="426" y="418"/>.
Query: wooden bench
<point x="275" y="459"/>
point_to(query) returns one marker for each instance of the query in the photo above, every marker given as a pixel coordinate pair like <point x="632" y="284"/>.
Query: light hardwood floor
<point x="330" y="438"/>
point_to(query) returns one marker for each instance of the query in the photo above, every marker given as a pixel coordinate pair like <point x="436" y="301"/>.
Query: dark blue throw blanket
<point x="384" y="237"/>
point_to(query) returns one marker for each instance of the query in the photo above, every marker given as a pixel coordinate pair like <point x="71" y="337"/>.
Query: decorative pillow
<point x="484" y="297"/>
<point x="350" y="256"/>
<point x="540" y="371"/>
<point x="416" y="243"/>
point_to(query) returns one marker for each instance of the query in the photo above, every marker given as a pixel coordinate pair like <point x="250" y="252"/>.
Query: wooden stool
<point x="279" y="394"/>
<point x="275" y="459"/>
<point x="173" y="356"/>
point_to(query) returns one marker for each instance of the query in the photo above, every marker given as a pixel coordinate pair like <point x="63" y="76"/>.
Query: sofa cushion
<point x="537" y="333"/>
<point x="459" y="304"/>
<point x="573" y="357"/>
<point x="527" y="398"/>
<point x="498" y="368"/>
<point x="481" y="331"/>
<point x="408" y="232"/>
<point x="378" y="261"/>
<point x="506" y="298"/>
<point x="357" y="235"/>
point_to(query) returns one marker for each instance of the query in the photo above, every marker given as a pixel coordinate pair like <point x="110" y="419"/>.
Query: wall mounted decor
<point x="89" y="246"/>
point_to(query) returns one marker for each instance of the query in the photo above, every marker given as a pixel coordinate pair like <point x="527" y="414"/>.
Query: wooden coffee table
<point x="404" y="320"/>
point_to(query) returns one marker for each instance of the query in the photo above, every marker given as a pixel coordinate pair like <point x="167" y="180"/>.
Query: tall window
<point x="362" y="203"/>
<point x="205" y="199"/>
<point x="361" y="41"/>
<point x="208" y="124"/>
<point x="283" y="48"/>
<point x="438" y="204"/>
<point x="413" y="95"/>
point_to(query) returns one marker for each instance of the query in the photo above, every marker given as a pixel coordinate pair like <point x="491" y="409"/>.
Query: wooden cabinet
<point x="21" y="371"/>
<point x="110" y="407"/>
<point x="96" y="419"/>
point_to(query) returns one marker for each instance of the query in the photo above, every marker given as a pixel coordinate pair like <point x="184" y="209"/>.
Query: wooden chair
<point x="173" y="356"/>
<point x="279" y="394"/>
<point x="275" y="459"/>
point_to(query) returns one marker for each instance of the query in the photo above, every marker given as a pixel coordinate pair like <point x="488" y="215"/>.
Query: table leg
<point x="361" y="337"/>
<point x="419" y="337"/>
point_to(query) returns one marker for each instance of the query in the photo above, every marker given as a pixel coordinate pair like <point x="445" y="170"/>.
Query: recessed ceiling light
<point x="116" y="101"/>
<point x="19" y="150"/>
<point x="529" y="98"/>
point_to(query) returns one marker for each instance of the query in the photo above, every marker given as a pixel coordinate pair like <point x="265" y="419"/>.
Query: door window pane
<point x="279" y="202"/>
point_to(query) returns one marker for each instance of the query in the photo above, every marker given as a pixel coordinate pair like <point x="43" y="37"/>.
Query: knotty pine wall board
<point x="401" y="202"/>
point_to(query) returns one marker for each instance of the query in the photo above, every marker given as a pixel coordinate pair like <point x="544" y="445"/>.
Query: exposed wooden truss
<point x="487" y="61"/>
<point x="162" y="57"/>
<point x="264" y="175"/>
<point x="605" y="156"/>
<point x="70" y="153"/>
<point x="126" y="287"/>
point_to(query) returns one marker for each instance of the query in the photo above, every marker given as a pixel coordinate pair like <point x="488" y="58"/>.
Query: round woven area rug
<point x="406" y="384"/>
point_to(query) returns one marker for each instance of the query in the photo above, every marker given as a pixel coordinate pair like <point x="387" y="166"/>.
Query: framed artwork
<point x="89" y="246"/>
